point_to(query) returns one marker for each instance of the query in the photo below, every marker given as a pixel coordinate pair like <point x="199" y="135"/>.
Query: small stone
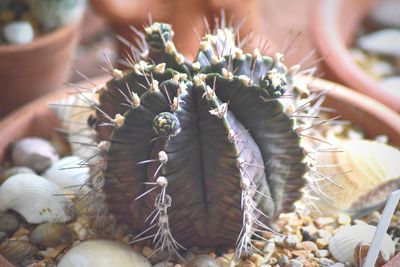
<point x="269" y="249"/>
<point x="51" y="235"/>
<point x="306" y="235"/>
<point x="322" y="221"/>
<point x="8" y="222"/>
<point x="322" y="253"/>
<point x="323" y="234"/>
<point x="280" y="240"/>
<point x="247" y="263"/>
<point x="283" y="260"/>
<point x="257" y="259"/>
<point x="202" y="261"/>
<point x="291" y="240"/>
<point x="301" y="253"/>
<point x="35" y="153"/>
<point x="3" y="237"/>
<point x="295" y="263"/>
<point x="259" y="244"/>
<point x="344" y="219"/>
<point x="18" y="32"/>
<point x="338" y="264"/>
<point x="325" y="262"/>
<point x="147" y="251"/>
<point x="322" y="243"/>
<point x="224" y="262"/>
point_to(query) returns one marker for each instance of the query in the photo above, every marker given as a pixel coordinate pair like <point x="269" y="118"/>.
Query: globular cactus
<point x="52" y="14"/>
<point x="205" y="153"/>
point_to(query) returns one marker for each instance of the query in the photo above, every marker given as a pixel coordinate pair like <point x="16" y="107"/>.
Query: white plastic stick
<point x="381" y="229"/>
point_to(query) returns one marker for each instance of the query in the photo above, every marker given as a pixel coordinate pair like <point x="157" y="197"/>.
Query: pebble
<point x="202" y="261"/>
<point x="325" y="262"/>
<point x="18" y="32"/>
<point x="386" y="13"/>
<point x="383" y="42"/>
<point x="17" y="251"/>
<point x="224" y="262"/>
<point x="8" y="222"/>
<point x="102" y="253"/>
<point x="3" y="237"/>
<point x="391" y="85"/>
<point x="35" y="153"/>
<point x="322" y="253"/>
<point x="51" y="235"/>
<point x="283" y="260"/>
<point x="322" y="242"/>
<point x="280" y="240"/>
<point x="258" y="259"/>
<point x="344" y="219"/>
<point x="295" y="263"/>
<point x="291" y="240"/>
<point x="324" y="234"/>
<point x="268" y="249"/>
<point x="307" y="245"/>
<point x="322" y="221"/>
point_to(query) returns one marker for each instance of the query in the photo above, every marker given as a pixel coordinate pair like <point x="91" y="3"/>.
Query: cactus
<point x="207" y="153"/>
<point x="52" y="14"/>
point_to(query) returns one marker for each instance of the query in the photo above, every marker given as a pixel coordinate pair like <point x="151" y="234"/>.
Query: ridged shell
<point x="74" y="112"/>
<point x="17" y="251"/>
<point x="68" y="173"/>
<point x="101" y="253"/>
<point x="51" y="235"/>
<point x="368" y="172"/>
<point x="345" y="241"/>
<point x="35" y="198"/>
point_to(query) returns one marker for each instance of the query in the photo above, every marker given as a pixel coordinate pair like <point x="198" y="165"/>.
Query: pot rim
<point x="329" y="42"/>
<point x="41" y="41"/>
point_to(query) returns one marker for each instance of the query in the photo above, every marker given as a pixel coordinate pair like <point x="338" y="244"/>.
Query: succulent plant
<point x="52" y="14"/>
<point x="204" y="153"/>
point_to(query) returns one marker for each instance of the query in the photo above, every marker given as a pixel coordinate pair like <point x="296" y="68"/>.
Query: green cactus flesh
<point x="214" y="131"/>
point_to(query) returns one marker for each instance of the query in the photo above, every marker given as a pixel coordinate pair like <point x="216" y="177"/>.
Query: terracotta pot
<point x="333" y="27"/>
<point x="36" y="119"/>
<point x="31" y="70"/>
<point x="180" y="13"/>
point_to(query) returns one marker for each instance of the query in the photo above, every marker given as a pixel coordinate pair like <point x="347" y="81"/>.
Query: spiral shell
<point x="17" y="251"/>
<point x="69" y="173"/>
<point x="343" y="244"/>
<point x="51" y="235"/>
<point x="366" y="171"/>
<point x="35" y="198"/>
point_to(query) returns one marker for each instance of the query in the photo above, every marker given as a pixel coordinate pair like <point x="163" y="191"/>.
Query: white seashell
<point x="18" y="32"/>
<point x="385" y="42"/>
<point x="391" y="85"/>
<point x="344" y="242"/>
<point x="37" y="199"/>
<point x="74" y="112"/>
<point x="102" y="253"/>
<point x="33" y="152"/>
<point x="68" y="173"/>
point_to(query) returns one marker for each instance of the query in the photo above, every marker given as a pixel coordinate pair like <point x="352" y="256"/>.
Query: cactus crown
<point x="204" y="153"/>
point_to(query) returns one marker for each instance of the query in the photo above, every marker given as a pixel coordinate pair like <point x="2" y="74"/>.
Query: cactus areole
<point x="203" y="153"/>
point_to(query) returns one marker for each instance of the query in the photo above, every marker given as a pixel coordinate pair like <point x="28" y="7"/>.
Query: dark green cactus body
<point x="227" y="147"/>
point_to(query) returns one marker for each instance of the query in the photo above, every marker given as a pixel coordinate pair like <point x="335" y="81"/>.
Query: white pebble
<point x="385" y="42"/>
<point x="33" y="152"/>
<point x="102" y="253"/>
<point x="18" y="32"/>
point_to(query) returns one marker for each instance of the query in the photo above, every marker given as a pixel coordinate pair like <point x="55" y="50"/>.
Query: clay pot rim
<point x="41" y="41"/>
<point x="329" y="42"/>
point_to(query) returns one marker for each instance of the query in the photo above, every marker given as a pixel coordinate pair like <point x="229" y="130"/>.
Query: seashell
<point x="17" y="251"/>
<point x="202" y="261"/>
<point x="386" y="13"/>
<point x="366" y="171"/>
<point x="361" y="252"/>
<point x="35" y="198"/>
<point x="102" y="253"/>
<point x="74" y="112"/>
<point x="51" y="235"/>
<point x="35" y="153"/>
<point x="8" y="222"/>
<point x="343" y="244"/>
<point x="384" y="42"/>
<point x="18" y="32"/>
<point x="68" y="173"/>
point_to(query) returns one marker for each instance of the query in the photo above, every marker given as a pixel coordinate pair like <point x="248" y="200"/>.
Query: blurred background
<point x="45" y="43"/>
